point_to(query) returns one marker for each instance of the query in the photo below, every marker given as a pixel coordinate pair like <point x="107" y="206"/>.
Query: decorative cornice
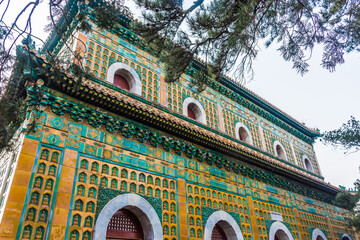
<point x="143" y="134"/>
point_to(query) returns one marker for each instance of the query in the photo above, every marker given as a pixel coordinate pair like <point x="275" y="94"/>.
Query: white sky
<point x="320" y="99"/>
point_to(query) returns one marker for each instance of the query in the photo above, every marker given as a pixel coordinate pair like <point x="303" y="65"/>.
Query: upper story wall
<point x="108" y="54"/>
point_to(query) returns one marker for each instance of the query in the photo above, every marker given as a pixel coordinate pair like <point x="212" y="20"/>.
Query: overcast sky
<point x="320" y="99"/>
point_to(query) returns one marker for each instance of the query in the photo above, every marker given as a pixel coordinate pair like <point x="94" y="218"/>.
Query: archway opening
<point x="194" y="111"/>
<point x="280" y="152"/>
<point x="244" y="135"/>
<point x="124" y="225"/>
<point x="308" y="165"/>
<point x="281" y="235"/>
<point x="121" y="82"/>
<point x="191" y="113"/>
<point x="345" y="238"/>
<point x="218" y="233"/>
<point x="138" y="210"/>
<point x="319" y="238"/>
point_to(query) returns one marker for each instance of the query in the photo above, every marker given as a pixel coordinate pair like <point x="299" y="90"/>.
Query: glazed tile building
<point x="128" y="156"/>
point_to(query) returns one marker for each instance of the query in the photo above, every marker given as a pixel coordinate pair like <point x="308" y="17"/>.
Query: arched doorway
<point x="128" y="216"/>
<point x="346" y="237"/>
<point x="222" y="226"/>
<point x="317" y="234"/>
<point x="218" y="233"/>
<point x="278" y="231"/>
<point x="124" y="225"/>
<point x="281" y="235"/>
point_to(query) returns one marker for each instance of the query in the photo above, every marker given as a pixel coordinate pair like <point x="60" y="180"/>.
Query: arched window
<point x="194" y="110"/>
<point x="243" y="134"/>
<point x="280" y="151"/>
<point x="124" y="77"/>
<point x="307" y="164"/>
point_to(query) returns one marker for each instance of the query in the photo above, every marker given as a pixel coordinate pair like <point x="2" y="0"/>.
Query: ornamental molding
<point x="143" y="134"/>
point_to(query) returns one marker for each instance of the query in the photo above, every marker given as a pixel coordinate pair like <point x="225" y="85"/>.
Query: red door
<point x="124" y="225"/>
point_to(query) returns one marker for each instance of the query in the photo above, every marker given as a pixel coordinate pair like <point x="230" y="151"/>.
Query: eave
<point x="134" y="107"/>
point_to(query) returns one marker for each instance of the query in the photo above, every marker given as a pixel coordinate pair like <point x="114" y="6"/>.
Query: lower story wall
<point x="70" y="175"/>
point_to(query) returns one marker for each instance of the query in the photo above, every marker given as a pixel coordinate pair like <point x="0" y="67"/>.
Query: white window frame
<point x="128" y="73"/>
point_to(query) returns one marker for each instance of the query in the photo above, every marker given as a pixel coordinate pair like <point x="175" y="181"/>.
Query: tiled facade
<point x="82" y="155"/>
